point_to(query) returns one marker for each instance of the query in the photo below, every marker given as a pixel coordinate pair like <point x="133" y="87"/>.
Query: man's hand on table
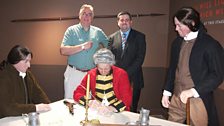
<point x="42" y="107"/>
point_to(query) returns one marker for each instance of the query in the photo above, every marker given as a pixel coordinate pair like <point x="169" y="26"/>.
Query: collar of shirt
<point x="22" y="74"/>
<point x="191" y="35"/>
<point x="81" y="27"/>
<point x="127" y="33"/>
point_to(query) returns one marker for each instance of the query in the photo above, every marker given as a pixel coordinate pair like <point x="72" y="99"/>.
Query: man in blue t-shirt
<point x="80" y="42"/>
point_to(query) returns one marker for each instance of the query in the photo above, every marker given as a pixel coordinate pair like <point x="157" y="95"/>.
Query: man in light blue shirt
<point x="80" y="42"/>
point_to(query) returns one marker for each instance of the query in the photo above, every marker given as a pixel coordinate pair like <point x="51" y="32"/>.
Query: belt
<point x="77" y="68"/>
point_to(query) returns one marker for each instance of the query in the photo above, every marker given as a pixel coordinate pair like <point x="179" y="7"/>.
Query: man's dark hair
<point x="18" y="53"/>
<point x="124" y="13"/>
<point x="189" y="17"/>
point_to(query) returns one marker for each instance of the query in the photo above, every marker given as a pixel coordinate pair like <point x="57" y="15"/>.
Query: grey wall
<point x="44" y="38"/>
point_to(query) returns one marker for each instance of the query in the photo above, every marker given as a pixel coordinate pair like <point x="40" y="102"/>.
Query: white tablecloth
<point x="60" y="116"/>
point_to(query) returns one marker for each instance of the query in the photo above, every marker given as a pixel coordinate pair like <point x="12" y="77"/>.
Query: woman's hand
<point x="94" y="104"/>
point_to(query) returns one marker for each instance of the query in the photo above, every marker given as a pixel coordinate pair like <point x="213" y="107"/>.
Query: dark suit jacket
<point x="206" y="67"/>
<point x="132" y="58"/>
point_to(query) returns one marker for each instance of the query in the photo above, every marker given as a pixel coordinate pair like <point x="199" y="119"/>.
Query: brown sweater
<point x="183" y="80"/>
<point x="12" y="92"/>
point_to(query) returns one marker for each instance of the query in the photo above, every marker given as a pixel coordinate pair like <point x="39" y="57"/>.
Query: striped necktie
<point x="123" y="40"/>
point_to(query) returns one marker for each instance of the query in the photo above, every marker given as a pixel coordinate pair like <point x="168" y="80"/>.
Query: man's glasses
<point x="87" y="14"/>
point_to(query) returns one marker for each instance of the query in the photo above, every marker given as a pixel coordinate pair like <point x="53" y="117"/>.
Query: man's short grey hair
<point x="104" y="55"/>
<point x="84" y="6"/>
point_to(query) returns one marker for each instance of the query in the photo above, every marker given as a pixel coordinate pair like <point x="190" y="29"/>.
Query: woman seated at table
<point x="109" y="85"/>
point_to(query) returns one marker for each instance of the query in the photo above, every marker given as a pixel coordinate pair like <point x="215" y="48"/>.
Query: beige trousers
<point x="72" y="78"/>
<point x="198" y="113"/>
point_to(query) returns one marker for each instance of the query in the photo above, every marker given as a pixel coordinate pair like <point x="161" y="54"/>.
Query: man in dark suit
<point x="129" y="46"/>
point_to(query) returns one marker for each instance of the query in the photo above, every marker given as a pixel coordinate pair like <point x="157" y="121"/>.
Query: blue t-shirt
<point x="76" y="35"/>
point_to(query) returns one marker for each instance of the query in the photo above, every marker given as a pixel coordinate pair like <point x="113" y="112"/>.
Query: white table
<point x="60" y="116"/>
